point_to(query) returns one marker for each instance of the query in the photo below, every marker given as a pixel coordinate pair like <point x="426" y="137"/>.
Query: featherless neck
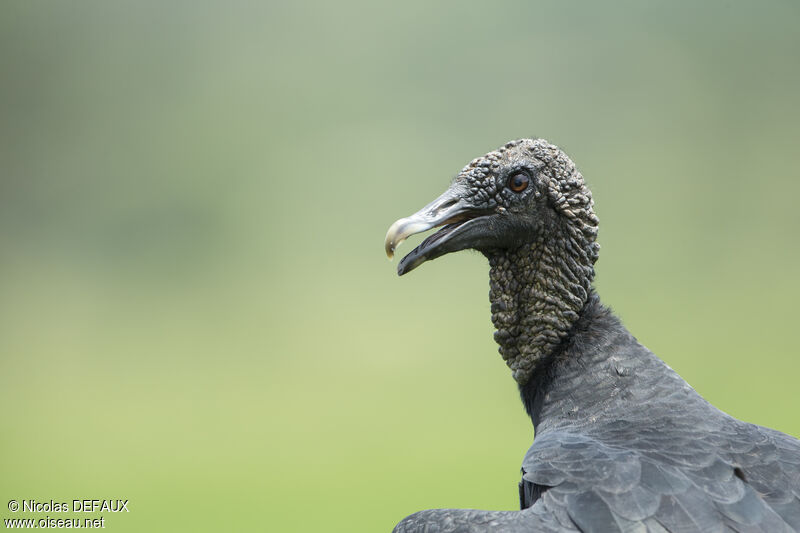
<point x="537" y="293"/>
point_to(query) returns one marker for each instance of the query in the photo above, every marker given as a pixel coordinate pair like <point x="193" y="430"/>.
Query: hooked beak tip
<point x="392" y="240"/>
<point x="439" y="212"/>
<point x="400" y="231"/>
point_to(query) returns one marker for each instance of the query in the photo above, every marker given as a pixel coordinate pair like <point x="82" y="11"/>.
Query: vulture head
<point x="527" y="208"/>
<point x="526" y="192"/>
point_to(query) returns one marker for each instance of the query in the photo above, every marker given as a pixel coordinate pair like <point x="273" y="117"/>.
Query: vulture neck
<point x="538" y="292"/>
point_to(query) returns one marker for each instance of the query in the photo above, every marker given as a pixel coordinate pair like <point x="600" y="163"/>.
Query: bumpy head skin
<point x="527" y="208"/>
<point x="556" y="180"/>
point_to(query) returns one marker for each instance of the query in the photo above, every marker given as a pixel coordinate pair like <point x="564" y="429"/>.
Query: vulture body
<point x="622" y="442"/>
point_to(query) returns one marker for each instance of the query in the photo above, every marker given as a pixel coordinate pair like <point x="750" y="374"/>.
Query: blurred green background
<point x="195" y="310"/>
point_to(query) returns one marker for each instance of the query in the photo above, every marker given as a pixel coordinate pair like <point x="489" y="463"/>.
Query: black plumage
<point x="622" y="443"/>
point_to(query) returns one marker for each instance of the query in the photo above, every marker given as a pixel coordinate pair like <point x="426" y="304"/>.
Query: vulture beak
<point x="462" y="223"/>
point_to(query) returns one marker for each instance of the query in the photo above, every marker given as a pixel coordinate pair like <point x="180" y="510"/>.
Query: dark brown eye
<point x="518" y="181"/>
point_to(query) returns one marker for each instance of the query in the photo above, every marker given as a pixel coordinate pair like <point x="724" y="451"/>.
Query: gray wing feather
<point x="701" y="471"/>
<point x="689" y="485"/>
<point x="536" y="518"/>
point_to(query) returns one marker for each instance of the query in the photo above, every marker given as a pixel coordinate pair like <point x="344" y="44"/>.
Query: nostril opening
<point x="447" y="205"/>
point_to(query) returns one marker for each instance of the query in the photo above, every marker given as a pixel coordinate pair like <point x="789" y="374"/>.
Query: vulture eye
<point x="518" y="181"/>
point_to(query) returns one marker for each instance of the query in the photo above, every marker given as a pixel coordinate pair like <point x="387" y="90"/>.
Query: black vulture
<point x="622" y="442"/>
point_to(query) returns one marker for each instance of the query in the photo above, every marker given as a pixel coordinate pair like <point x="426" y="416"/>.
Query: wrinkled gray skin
<point x="622" y="442"/>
